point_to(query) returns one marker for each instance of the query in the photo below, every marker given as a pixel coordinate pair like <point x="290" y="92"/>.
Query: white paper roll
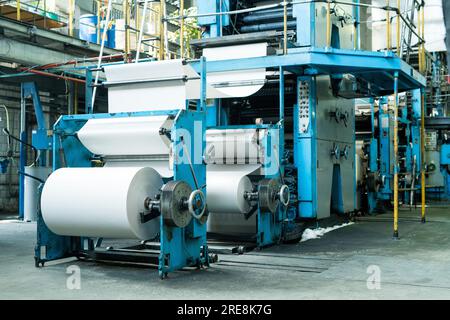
<point x="134" y="92"/>
<point x="126" y="136"/>
<point x="226" y="186"/>
<point x="235" y="146"/>
<point x="100" y="202"/>
<point x="237" y="83"/>
<point x="162" y="166"/>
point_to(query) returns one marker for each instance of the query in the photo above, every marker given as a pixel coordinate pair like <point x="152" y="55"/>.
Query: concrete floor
<point x="333" y="267"/>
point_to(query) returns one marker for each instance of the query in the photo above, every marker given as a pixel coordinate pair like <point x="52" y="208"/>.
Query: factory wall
<point x="9" y="181"/>
<point x="9" y="188"/>
<point x="434" y="25"/>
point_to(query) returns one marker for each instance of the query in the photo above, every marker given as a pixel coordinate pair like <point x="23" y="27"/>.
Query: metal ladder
<point x="406" y="33"/>
<point x="165" y="48"/>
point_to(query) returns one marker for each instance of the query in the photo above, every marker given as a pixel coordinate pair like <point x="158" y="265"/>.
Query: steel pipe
<point x="265" y="17"/>
<point x="268" y="26"/>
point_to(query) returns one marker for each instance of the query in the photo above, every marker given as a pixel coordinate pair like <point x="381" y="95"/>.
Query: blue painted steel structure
<point x="178" y="246"/>
<point x="269" y="226"/>
<point x="445" y="163"/>
<point x="311" y="62"/>
<point x="41" y="137"/>
<point x="380" y="152"/>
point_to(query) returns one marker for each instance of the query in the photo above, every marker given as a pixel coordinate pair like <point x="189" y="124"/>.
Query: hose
<point x="30" y="176"/>
<point x="6" y="131"/>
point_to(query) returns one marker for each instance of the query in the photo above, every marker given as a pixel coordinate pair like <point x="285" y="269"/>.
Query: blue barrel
<point x="88" y="31"/>
<point x="111" y="43"/>
<point x="88" y="28"/>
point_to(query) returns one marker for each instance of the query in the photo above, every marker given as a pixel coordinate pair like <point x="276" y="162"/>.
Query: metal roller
<point x="179" y="204"/>
<point x="374" y="181"/>
<point x="271" y="194"/>
<point x="268" y="26"/>
<point x="265" y="17"/>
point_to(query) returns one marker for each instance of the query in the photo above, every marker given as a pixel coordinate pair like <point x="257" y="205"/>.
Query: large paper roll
<point x="237" y="83"/>
<point x="159" y="85"/>
<point x="100" y="202"/>
<point x="162" y="166"/>
<point x="226" y="186"/>
<point x="235" y="146"/>
<point x="225" y="189"/>
<point x="126" y="136"/>
<point x="226" y="192"/>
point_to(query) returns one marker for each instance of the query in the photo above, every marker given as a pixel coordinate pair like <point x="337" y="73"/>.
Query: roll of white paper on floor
<point x="100" y="202"/>
<point x="225" y="189"/>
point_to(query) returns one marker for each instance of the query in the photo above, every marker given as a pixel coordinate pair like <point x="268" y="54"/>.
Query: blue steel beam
<point x="328" y="61"/>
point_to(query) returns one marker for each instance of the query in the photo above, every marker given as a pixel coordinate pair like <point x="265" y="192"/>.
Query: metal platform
<point x="36" y="16"/>
<point x="238" y="39"/>
<point x="376" y="68"/>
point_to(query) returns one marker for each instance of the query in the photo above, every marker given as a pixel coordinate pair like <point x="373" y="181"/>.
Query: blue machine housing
<point x="317" y="145"/>
<point x="179" y="247"/>
<point x="41" y="138"/>
<point x="380" y="152"/>
<point x="269" y="226"/>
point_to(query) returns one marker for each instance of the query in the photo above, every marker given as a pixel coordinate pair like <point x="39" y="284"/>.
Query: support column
<point x="422" y="154"/>
<point x="23" y="152"/>
<point x="396" y="155"/>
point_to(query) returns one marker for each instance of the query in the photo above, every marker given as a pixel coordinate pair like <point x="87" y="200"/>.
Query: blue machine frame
<point x="41" y="137"/>
<point x="179" y="247"/>
<point x="307" y="60"/>
<point x="380" y="150"/>
<point x="306" y="63"/>
<point x="270" y="225"/>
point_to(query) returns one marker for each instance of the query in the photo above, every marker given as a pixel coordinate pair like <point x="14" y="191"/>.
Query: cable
<point x="31" y="176"/>
<point x="6" y="131"/>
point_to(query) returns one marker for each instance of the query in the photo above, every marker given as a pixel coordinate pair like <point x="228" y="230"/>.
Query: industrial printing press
<point x="130" y="173"/>
<point x="312" y="67"/>
<point x="250" y="141"/>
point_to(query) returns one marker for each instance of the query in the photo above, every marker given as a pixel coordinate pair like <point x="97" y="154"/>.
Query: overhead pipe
<point x="398" y="30"/>
<point x="52" y="75"/>
<point x="268" y="26"/>
<point x="265" y="17"/>
<point x="285" y="29"/>
<point x="388" y="28"/>
<point x="328" y="24"/>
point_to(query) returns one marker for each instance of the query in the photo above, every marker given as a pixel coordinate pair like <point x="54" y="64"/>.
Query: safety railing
<point x="404" y="20"/>
<point x="392" y="13"/>
<point x="41" y="13"/>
